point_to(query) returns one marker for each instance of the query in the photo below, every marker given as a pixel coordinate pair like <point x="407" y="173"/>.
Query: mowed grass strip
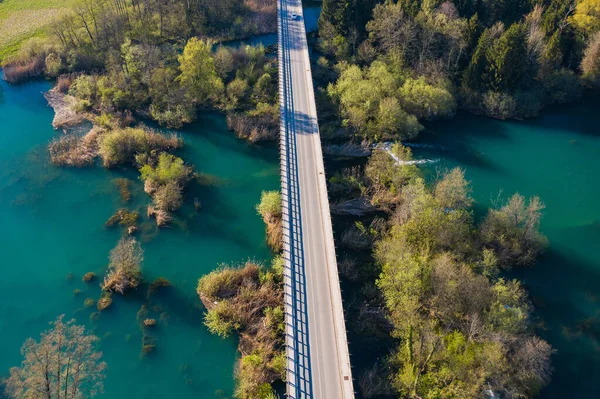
<point x="22" y="19"/>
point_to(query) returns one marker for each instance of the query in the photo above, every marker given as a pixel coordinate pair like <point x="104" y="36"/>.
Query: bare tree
<point x="64" y="364"/>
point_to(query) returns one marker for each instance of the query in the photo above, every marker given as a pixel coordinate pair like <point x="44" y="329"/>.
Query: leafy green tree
<point x="264" y="89"/>
<point x="587" y="16"/>
<point x="167" y="107"/>
<point x="452" y="191"/>
<point x="54" y="65"/>
<point x="510" y="308"/>
<point x="386" y="178"/>
<point x="393" y="122"/>
<point x="426" y="101"/>
<point x="237" y="90"/>
<point x="369" y="104"/>
<point x="198" y="73"/>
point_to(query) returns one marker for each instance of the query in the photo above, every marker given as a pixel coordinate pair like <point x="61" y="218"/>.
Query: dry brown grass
<point x="75" y="151"/>
<point x="253" y="128"/>
<point x="275" y="234"/>
<point x="20" y="71"/>
<point x="63" y="83"/>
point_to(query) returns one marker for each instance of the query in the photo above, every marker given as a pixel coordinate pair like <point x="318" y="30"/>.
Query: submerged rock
<point x="89" y="276"/>
<point x="104" y="302"/>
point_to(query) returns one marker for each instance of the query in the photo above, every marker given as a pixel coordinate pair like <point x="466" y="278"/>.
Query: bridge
<point x="318" y="361"/>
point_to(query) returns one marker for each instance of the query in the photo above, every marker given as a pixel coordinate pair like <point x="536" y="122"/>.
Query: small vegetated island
<point x="431" y="275"/>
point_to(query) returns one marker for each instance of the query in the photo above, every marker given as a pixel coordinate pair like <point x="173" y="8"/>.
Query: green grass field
<point x="23" y="19"/>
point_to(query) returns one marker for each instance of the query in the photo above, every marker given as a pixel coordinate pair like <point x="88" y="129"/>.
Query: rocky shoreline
<point x="64" y="111"/>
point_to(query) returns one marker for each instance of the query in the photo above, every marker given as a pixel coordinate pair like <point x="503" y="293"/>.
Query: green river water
<point x="557" y="157"/>
<point x="53" y="225"/>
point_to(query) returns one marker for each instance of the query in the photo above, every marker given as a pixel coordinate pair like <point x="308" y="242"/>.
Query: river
<point x="557" y="157"/>
<point x="53" y="233"/>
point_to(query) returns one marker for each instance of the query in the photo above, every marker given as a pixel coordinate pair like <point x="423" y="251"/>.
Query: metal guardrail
<point x="296" y="319"/>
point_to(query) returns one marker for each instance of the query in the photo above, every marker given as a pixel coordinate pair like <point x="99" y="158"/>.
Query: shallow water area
<point x="556" y="157"/>
<point x="53" y="233"/>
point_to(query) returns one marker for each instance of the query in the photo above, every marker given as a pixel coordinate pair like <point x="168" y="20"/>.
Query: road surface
<point x="313" y="296"/>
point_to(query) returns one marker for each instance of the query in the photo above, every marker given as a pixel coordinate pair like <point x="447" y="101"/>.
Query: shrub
<point x="174" y="116"/>
<point x="84" y="87"/>
<point x="270" y="210"/>
<point x="63" y="83"/>
<point x="21" y="71"/>
<point x="261" y="124"/>
<point x="71" y="150"/>
<point x="277" y="266"/>
<point x="225" y="282"/>
<point x="244" y="299"/>
<point x="220" y="319"/>
<point x="270" y="205"/>
<point x="123" y="217"/>
<point x="499" y="105"/>
<point x="170" y="169"/>
<point x="124" y="268"/>
<point x="54" y="65"/>
<point x="122" y="145"/>
<point x="169" y="197"/>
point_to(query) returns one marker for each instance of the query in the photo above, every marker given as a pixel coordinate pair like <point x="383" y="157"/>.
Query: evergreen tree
<point x="474" y="73"/>
<point x="337" y="13"/>
<point x="507" y="60"/>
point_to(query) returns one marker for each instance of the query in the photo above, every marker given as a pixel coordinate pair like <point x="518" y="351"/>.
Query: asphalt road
<point x="329" y="359"/>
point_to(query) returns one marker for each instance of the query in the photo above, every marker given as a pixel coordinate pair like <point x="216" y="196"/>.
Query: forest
<point x="387" y="66"/>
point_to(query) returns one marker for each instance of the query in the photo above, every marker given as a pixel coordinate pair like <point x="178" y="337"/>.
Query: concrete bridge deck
<point x="317" y="349"/>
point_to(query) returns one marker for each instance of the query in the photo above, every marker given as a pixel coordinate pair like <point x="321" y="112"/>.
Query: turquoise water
<point x="53" y="225"/>
<point x="556" y="156"/>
